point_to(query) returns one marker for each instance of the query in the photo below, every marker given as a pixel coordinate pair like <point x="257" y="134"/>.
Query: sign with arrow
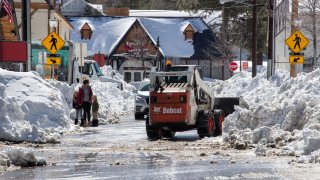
<point x="53" y="60"/>
<point x="296" y="59"/>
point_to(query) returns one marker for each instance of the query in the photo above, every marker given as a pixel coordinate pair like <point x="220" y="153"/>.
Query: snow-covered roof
<point x="109" y="31"/>
<point x="210" y="17"/>
<point x="78" y="7"/>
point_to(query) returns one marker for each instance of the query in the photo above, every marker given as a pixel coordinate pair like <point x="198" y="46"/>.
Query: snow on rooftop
<point x="109" y="31"/>
<point x="209" y="17"/>
<point x="172" y="40"/>
<point x="106" y="34"/>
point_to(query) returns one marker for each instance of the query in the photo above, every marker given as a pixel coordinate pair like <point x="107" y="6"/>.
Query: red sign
<point x="13" y="51"/>
<point x="99" y="58"/>
<point x="233" y="66"/>
<point x="245" y="65"/>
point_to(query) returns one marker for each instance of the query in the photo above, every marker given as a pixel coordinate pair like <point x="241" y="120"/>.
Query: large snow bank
<point x="113" y="102"/>
<point x="31" y="109"/>
<point x="283" y="111"/>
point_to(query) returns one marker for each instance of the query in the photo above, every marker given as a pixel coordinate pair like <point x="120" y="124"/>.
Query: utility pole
<point x="294" y="16"/>
<point x="254" y="38"/>
<point x="270" y="37"/>
<point x="223" y="39"/>
<point x="26" y="30"/>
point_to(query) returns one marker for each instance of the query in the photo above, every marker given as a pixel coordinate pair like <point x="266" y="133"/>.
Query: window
<point x="98" y="70"/>
<point x="145" y="86"/>
<point x="137" y="76"/>
<point x="127" y="76"/>
<point x="175" y="79"/>
<point x="86" y="69"/>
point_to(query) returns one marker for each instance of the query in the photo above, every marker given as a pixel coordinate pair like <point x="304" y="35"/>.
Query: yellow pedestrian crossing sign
<point x="299" y="59"/>
<point x="297" y="41"/>
<point x="53" y="43"/>
<point x="53" y="60"/>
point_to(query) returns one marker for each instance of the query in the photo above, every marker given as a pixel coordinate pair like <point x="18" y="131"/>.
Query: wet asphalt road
<point x="118" y="151"/>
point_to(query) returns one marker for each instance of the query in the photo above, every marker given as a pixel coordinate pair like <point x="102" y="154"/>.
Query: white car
<point x="142" y="100"/>
<point x="135" y="85"/>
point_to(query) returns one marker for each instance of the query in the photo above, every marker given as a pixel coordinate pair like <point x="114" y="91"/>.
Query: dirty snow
<point x="283" y="111"/>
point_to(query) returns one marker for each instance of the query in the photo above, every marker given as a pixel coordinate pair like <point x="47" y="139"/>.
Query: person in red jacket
<point x="84" y="100"/>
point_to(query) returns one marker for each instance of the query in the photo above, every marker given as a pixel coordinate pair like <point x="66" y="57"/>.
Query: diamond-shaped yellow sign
<point x="296" y="59"/>
<point x="297" y="42"/>
<point x="53" y="60"/>
<point x="53" y="43"/>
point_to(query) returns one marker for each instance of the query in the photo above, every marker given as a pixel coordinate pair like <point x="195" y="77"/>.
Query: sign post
<point x="53" y="43"/>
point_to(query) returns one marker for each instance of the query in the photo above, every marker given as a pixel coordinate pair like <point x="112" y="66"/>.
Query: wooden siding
<point x="189" y="35"/>
<point x="5" y="30"/>
<point x="133" y="35"/>
<point x="117" y="11"/>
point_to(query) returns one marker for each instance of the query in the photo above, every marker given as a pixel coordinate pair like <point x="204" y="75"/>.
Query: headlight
<point x="140" y="99"/>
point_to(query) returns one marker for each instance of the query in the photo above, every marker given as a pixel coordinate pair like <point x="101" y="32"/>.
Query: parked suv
<point x="142" y="100"/>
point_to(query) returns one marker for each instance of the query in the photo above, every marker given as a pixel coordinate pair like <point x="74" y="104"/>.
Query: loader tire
<point x="205" y="124"/>
<point x="152" y="132"/>
<point x="167" y="133"/>
<point x="218" y="120"/>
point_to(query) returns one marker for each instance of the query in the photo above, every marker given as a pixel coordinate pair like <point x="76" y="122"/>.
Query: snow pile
<point x="31" y="109"/>
<point x="65" y="89"/>
<point x="113" y="102"/>
<point x="109" y="72"/>
<point x="24" y="157"/>
<point x="283" y="111"/>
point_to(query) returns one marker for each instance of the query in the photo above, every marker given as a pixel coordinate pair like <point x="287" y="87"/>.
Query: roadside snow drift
<point x="283" y="111"/>
<point x="31" y="109"/>
<point x="113" y="102"/>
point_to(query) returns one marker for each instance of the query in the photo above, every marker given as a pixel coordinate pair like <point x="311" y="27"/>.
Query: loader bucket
<point x="227" y="104"/>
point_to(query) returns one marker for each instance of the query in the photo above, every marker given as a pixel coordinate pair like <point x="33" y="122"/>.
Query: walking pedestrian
<point x="95" y="109"/>
<point x="85" y="95"/>
<point x="77" y="107"/>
